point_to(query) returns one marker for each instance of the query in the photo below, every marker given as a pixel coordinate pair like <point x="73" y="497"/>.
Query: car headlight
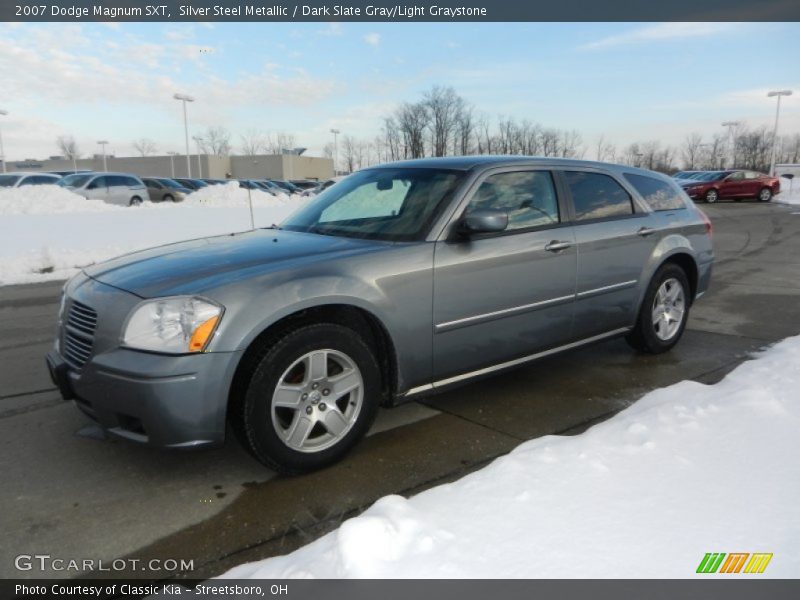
<point x="176" y="325"/>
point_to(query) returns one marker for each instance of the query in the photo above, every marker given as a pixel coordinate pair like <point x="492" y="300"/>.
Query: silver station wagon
<point x="398" y="281"/>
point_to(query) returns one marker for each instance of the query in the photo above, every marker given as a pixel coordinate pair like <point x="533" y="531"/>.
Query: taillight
<point x="707" y="221"/>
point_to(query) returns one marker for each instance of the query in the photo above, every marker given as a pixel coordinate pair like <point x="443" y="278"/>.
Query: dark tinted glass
<point x="658" y="194"/>
<point x="528" y="197"/>
<point x="98" y="182"/>
<point x="597" y="196"/>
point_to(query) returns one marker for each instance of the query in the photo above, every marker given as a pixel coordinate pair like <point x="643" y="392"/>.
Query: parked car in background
<point x="164" y="189"/>
<point x="732" y="184"/>
<point x="217" y="181"/>
<point x="304" y="184"/>
<point x="123" y="189"/>
<point x="286" y="186"/>
<point x="70" y="172"/>
<point x="252" y="184"/>
<point x="269" y="186"/>
<point x="324" y="185"/>
<point x="685" y="174"/>
<point x="21" y="179"/>
<point x="192" y="184"/>
<point x="403" y="279"/>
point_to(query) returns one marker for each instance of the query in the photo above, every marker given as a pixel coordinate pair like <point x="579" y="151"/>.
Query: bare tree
<point x="444" y="107"/>
<point x="692" y="148"/>
<point x="412" y="122"/>
<point x="68" y="147"/>
<point x="253" y="142"/>
<point x="216" y="141"/>
<point x="145" y="146"/>
<point x="280" y="142"/>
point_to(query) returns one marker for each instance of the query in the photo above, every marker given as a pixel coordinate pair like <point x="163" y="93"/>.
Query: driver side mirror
<point x="483" y="220"/>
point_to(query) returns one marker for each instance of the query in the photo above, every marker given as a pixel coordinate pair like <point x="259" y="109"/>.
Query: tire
<point x="765" y="195"/>
<point x="135" y="201"/>
<point x="712" y="196"/>
<point x="270" y="422"/>
<point x="652" y="335"/>
<point x="167" y="198"/>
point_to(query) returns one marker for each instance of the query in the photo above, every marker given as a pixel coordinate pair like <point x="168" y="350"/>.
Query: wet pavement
<point x="72" y="494"/>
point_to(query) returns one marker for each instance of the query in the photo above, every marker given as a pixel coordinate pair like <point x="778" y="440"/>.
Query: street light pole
<point x="731" y="145"/>
<point x="197" y="139"/>
<point x="777" y="93"/>
<point x="184" y="99"/>
<point x="335" y="133"/>
<point x="103" y="146"/>
<point x="3" y="113"/>
<point x="172" y="162"/>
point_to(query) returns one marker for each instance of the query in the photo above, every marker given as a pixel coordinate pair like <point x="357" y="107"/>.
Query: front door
<point x="498" y="297"/>
<point x="97" y="188"/>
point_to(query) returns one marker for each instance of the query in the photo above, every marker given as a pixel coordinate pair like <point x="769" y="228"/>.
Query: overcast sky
<point x="627" y="81"/>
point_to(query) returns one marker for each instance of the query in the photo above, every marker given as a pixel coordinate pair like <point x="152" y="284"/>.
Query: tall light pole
<point x="186" y="98"/>
<point x="197" y="139"/>
<point x="731" y="144"/>
<point x="335" y="133"/>
<point x="103" y="146"/>
<point x="777" y="93"/>
<point x="3" y="113"/>
<point x="172" y="162"/>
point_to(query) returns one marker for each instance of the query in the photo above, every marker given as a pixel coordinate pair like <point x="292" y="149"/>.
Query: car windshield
<point x="169" y="183"/>
<point x="76" y="180"/>
<point x="384" y="204"/>
<point x="8" y="180"/>
<point x="713" y="176"/>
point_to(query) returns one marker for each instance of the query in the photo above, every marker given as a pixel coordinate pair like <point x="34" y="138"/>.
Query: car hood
<point x="195" y="266"/>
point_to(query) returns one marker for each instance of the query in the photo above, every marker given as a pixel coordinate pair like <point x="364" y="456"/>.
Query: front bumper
<point x="164" y="401"/>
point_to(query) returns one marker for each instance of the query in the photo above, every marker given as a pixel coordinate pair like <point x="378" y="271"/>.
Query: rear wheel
<point x="135" y="201"/>
<point x="765" y="195"/>
<point x="664" y="311"/>
<point x="168" y="198"/>
<point x="310" y="397"/>
<point x="712" y="196"/>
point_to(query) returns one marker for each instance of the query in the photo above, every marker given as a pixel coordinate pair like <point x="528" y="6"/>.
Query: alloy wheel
<point x="669" y="309"/>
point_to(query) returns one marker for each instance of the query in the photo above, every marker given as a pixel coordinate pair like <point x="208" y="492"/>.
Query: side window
<point x="131" y="182"/>
<point x="98" y="182"/>
<point x="114" y="181"/>
<point x="528" y="197"/>
<point x="738" y="176"/>
<point x="750" y="175"/>
<point x="597" y="196"/>
<point x="658" y="194"/>
<point x="37" y="180"/>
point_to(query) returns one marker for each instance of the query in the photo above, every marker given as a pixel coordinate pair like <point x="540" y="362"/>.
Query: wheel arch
<point x="364" y="322"/>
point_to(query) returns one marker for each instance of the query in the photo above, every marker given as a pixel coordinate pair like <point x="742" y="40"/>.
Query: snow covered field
<point x="689" y="469"/>
<point x="47" y="232"/>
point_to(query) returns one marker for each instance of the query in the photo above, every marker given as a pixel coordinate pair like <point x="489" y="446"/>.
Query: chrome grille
<point x="79" y="334"/>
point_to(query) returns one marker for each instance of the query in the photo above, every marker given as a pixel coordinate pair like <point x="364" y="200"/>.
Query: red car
<point x="716" y="185"/>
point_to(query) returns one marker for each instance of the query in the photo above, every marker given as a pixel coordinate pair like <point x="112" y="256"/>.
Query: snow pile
<point x="47" y="199"/>
<point x="230" y="194"/>
<point x="689" y="469"/>
<point x="790" y="191"/>
<point x="47" y="232"/>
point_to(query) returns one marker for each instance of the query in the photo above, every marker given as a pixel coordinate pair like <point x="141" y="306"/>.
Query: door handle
<point x="645" y="231"/>
<point x="556" y="246"/>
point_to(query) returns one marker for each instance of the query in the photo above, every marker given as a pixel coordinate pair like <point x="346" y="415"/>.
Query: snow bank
<point x="689" y="469"/>
<point x="47" y="232"/>
<point x="790" y="191"/>
<point x="47" y="199"/>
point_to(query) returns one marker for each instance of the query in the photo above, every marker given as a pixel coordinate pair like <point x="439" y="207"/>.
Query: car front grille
<point x="79" y="334"/>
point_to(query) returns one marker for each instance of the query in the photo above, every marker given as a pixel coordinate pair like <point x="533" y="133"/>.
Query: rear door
<point x="502" y="296"/>
<point x="733" y="186"/>
<point x="118" y="190"/>
<point x="615" y="237"/>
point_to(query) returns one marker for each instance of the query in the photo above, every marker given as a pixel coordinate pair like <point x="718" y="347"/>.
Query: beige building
<point x="267" y="166"/>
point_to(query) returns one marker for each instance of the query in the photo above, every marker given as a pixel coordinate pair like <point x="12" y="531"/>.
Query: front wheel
<point x="311" y="396"/>
<point x="135" y="201"/>
<point x="664" y="311"/>
<point x="765" y="195"/>
<point x="712" y="196"/>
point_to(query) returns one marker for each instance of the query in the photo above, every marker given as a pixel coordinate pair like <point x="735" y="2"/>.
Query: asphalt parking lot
<point x="70" y="493"/>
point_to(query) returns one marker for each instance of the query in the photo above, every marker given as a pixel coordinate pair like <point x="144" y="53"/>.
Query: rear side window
<point x="99" y="182"/>
<point x="528" y="197"/>
<point x="658" y="194"/>
<point x="131" y="182"/>
<point x="597" y="196"/>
